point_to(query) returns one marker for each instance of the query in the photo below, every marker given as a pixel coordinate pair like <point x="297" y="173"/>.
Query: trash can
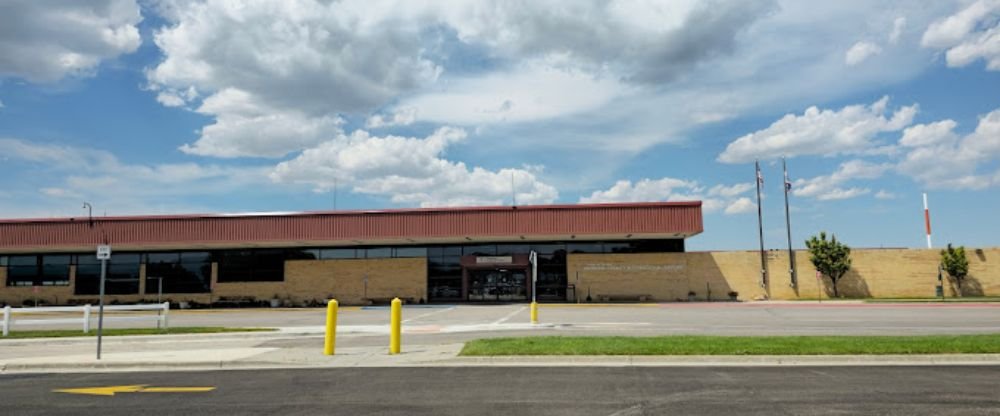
<point x="939" y="291"/>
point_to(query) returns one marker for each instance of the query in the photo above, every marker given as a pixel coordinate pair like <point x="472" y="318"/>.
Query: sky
<point x="186" y="106"/>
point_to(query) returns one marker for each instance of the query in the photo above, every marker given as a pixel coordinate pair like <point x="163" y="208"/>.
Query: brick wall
<point x="896" y="273"/>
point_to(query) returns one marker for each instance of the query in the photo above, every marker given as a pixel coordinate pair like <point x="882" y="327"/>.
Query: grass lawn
<point x="61" y="333"/>
<point x="719" y="345"/>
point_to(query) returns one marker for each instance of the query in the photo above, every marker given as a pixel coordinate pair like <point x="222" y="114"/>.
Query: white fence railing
<point x="88" y="311"/>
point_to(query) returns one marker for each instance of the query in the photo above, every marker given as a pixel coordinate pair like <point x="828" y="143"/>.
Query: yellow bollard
<point x="331" y="327"/>
<point x="534" y="312"/>
<point x="395" y="325"/>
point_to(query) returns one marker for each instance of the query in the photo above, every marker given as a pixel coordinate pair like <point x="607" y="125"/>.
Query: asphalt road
<point x="523" y="391"/>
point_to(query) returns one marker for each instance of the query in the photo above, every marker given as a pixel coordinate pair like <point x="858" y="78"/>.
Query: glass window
<point x="300" y="254"/>
<point x="410" y="252"/>
<point x="584" y="247"/>
<point x="448" y="288"/>
<point x="548" y="248"/>
<point x="45" y="270"/>
<point x="658" y="246"/>
<point x="266" y="265"/>
<point x="451" y="251"/>
<point x="188" y="272"/>
<point x="338" y="253"/>
<point x="444" y="260"/>
<point x="55" y="270"/>
<point x="22" y="270"/>
<point x="122" y="276"/>
<point x="378" y="253"/>
<point x="24" y="261"/>
<point x="617" y="247"/>
<point x="511" y="249"/>
<point x="480" y="250"/>
<point x="3" y="261"/>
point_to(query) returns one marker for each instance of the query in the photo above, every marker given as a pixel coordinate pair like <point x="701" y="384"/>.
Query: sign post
<point x="103" y="254"/>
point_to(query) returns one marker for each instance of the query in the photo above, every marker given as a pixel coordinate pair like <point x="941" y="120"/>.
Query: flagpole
<point x="788" y="225"/>
<point x="760" y="228"/>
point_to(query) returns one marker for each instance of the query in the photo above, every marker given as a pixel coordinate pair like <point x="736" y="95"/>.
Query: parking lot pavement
<point x="625" y="319"/>
<point x="435" y="332"/>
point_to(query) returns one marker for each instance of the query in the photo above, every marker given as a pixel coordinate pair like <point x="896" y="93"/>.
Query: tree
<point x="830" y="257"/>
<point x="954" y="262"/>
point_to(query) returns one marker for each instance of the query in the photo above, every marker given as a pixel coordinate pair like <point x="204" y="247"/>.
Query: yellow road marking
<point x="176" y="389"/>
<point x="139" y="388"/>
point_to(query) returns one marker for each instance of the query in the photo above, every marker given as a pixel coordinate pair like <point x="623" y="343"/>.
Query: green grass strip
<point x="62" y="333"/>
<point x="721" y="345"/>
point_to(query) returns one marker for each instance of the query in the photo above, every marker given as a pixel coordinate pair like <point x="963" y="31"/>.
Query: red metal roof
<point x="402" y="226"/>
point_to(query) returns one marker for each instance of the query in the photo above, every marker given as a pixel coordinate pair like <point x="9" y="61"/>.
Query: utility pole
<point x="788" y="226"/>
<point x="760" y="228"/>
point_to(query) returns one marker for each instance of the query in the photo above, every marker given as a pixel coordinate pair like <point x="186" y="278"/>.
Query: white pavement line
<point x="510" y="315"/>
<point x="428" y="314"/>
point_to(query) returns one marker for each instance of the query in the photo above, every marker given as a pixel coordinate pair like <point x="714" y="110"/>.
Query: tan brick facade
<point x="876" y="273"/>
<point x="895" y="273"/>
<point x="305" y="281"/>
<point x="344" y="280"/>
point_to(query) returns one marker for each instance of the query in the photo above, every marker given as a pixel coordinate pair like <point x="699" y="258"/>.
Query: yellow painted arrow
<point x="140" y="388"/>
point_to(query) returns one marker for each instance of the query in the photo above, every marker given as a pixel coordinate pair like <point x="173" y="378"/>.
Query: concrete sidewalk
<point x="295" y="349"/>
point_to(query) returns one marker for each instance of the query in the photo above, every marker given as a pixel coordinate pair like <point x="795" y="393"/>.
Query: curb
<point x="535" y="361"/>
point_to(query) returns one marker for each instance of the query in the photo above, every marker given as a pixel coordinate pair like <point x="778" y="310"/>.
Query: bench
<point x="624" y="298"/>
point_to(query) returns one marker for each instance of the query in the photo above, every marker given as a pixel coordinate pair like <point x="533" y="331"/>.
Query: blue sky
<point x="190" y="106"/>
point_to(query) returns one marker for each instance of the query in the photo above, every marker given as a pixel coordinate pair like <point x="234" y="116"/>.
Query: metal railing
<point x="162" y="310"/>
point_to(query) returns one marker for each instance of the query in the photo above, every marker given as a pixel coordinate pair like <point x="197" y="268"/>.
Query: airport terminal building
<point x="476" y="254"/>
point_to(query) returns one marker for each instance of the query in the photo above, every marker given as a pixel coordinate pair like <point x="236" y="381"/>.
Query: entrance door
<point x="498" y="285"/>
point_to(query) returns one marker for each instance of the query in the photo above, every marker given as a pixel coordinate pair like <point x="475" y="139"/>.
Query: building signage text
<point x="494" y="259"/>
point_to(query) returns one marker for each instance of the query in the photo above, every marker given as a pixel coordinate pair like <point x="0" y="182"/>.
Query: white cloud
<point x="937" y="158"/>
<point x="971" y="34"/>
<point x="331" y="59"/>
<point x="919" y="135"/>
<point x="730" y="191"/>
<point x="169" y="99"/>
<point x="741" y="206"/>
<point x="403" y="116"/>
<point x="246" y="127"/>
<point x="97" y="175"/>
<point x="840" y="193"/>
<point x="664" y="189"/>
<point x="829" y="187"/>
<point x="60" y="193"/>
<point x="719" y="197"/>
<point x="860" y="52"/>
<point x="531" y="92"/>
<point x="45" y="41"/>
<point x="410" y="170"/>
<point x="852" y="129"/>
<point x="897" y="30"/>
<point x="883" y="194"/>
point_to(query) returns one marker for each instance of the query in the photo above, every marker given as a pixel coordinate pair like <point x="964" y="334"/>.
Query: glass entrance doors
<point x="498" y="285"/>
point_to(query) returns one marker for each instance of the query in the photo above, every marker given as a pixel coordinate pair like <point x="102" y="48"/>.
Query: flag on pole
<point x="760" y="177"/>
<point x="788" y="182"/>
